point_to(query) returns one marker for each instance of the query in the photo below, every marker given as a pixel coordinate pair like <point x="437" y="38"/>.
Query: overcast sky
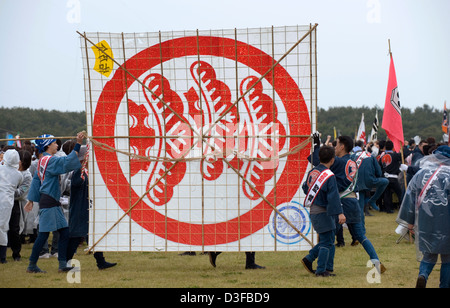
<point x="41" y="57"/>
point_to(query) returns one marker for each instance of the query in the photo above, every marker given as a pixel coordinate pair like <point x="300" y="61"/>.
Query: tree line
<point x="424" y="121"/>
<point x="31" y="123"/>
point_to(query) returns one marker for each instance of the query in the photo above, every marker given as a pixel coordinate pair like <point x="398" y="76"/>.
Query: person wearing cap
<point x="79" y="212"/>
<point x="10" y="180"/>
<point x="45" y="189"/>
<point x="426" y="212"/>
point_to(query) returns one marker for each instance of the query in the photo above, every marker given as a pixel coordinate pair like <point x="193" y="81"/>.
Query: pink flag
<point x="392" y="117"/>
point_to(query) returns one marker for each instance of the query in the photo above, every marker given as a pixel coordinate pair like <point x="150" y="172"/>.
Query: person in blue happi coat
<point x="390" y="163"/>
<point x="369" y="176"/>
<point x="79" y="212"/>
<point x="322" y="196"/>
<point x="45" y="189"/>
<point x="346" y="170"/>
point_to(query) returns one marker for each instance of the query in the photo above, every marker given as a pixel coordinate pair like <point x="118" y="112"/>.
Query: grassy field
<point x="283" y="269"/>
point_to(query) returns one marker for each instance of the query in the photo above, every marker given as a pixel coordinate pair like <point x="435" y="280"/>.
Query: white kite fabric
<point x="200" y="139"/>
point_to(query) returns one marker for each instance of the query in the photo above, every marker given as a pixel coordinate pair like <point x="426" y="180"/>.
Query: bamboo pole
<point x="92" y="116"/>
<point x="273" y="115"/>
<point x="401" y="151"/>
<point x="238" y="143"/>
<point x="129" y="145"/>
<point x="238" y="137"/>
<point x="315" y="102"/>
<point x="202" y="162"/>
<point x="216" y="153"/>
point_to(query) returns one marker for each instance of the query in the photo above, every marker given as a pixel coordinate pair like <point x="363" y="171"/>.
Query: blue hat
<point x="42" y="143"/>
<point x="443" y="150"/>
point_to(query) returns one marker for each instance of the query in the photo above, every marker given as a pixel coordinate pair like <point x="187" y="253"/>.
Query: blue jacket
<point x="327" y="197"/>
<point x="416" y="156"/>
<point x="79" y="205"/>
<point x="345" y="171"/>
<point x="342" y="169"/>
<point x="368" y="172"/>
<point x="56" y="166"/>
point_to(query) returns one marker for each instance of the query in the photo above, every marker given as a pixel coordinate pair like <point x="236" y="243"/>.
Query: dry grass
<point x="283" y="269"/>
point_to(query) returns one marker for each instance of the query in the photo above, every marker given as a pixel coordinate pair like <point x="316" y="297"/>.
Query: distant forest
<point x="423" y="121"/>
<point x="31" y="123"/>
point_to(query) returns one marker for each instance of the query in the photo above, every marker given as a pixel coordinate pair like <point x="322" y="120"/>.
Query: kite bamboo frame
<point x="204" y="134"/>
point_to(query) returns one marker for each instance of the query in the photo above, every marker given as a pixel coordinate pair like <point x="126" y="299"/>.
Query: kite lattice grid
<point x="200" y="138"/>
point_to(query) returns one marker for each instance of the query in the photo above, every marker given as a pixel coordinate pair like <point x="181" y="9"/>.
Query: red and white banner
<point x="362" y="131"/>
<point x="392" y="116"/>
<point x="196" y="139"/>
<point x="374" y="132"/>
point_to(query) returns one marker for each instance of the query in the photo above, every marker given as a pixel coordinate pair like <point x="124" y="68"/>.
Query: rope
<point x="150" y="158"/>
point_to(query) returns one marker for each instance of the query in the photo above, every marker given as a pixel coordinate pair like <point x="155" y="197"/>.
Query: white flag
<point x="374" y="133"/>
<point x="362" y="131"/>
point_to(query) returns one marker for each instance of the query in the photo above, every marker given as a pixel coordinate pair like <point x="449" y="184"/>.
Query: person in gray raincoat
<point x="426" y="212"/>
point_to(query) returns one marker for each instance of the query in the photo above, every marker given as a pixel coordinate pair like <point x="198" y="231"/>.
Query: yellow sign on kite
<point x="103" y="58"/>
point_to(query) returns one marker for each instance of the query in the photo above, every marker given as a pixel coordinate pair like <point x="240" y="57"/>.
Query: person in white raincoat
<point x="426" y="212"/>
<point x="17" y="221"/>
<point x="10" y="179"/>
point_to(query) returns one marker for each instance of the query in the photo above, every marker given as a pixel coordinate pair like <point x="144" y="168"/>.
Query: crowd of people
<point x="44" y="189"/>
<point x="414" y="181"/>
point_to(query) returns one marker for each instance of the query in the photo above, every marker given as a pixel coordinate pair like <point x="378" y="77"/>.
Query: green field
<point x="283" y="269"/>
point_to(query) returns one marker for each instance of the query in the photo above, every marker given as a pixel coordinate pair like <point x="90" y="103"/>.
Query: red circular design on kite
<point x="117" y="183"/>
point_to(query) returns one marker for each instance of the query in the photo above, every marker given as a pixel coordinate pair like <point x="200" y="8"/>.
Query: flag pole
<point x="389" y="42"/>
<point x="403" y="156"/>
<point x="401" y="143"/>
<point x="448" y="125"/>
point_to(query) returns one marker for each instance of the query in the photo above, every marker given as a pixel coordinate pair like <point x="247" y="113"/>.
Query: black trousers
<point x="72" y="249"/>
<point x="14" y="241"/>
<point x="393" y="187"/>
